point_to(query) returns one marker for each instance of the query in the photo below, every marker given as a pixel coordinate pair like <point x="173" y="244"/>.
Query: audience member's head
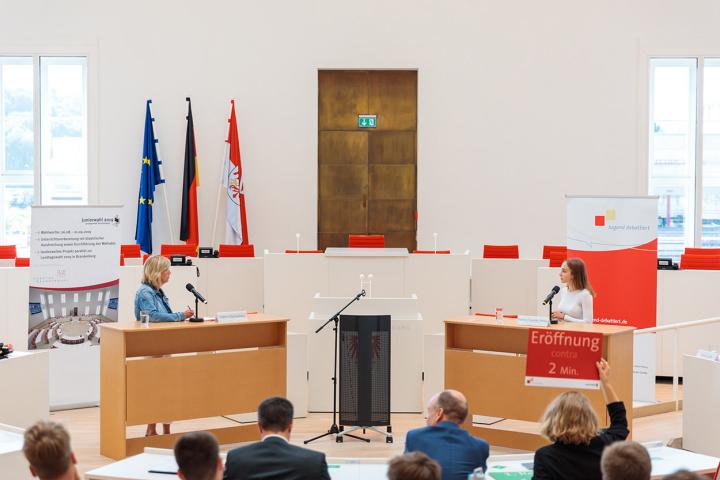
<point x="275" y="415"/>
<point x="570" y="419"/>
<point x="625" y="461"/>
<point x="682" y="475"/>
<point x="413" y="466"/>
<point x="47" y="449"/>
<point x="448" y="405"/>
<point x="198" y="457"/>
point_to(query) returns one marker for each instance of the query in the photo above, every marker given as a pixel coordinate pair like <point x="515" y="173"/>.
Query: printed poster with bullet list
<point x="561" y="358"/>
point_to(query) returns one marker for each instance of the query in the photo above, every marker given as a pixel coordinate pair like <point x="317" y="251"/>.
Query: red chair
<point x="548" y="249"/>
<point x="180" y="249"/>
<point x="122" y="260"/>
<point x="431" y="252"/>
<point x="22" y="262"/>
<point x="8" y="252"/>
<point x="557" y="258"/>
<point x="702" y="251"/>
<point x="699" y="262"/>
<point x="130" y="250"/>
<point x="236" y="250"/>
<point x="303" y="251"/>
<point x="501" y="251"/>
<point x="366" y="241"/>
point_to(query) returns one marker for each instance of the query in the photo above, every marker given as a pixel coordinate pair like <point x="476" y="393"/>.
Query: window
<point x="43" y="115"/>
<point x="684" y="152"/>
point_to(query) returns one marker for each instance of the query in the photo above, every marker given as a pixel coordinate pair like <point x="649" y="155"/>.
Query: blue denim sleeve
<point x="146" y="300"/>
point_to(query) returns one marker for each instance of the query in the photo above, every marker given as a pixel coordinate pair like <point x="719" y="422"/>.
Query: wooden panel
<point x="167" y="389"/>
<point x="343" y="148"/>
<point x="392" y="147"/>
<point x="518" y="440"/>
<point x="344" y="181"/>
<point x="224" y="436"/>
<point x="386" y="216"/>
<point x="337" y="215"/>
<point x="466" y="371"/>
<point x="342" y="96"/>
<point x="393" y="97"/>
<point x="392" y="182"/>
<point x="165" y="339"/>
<point x="112" y="394"/>
<point x="401" y="240"/>
<point x="332" y="240"/>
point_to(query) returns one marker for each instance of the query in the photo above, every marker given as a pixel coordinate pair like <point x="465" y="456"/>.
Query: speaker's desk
<point x="168" y="372"/>
<point x="486" y="361"/>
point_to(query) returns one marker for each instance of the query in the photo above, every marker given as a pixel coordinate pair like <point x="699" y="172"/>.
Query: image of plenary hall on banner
<point x="616" y="237"/>
<point x="74" y="275"/>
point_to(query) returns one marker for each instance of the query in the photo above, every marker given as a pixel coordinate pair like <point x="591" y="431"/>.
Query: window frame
<point x="644" y="108"/>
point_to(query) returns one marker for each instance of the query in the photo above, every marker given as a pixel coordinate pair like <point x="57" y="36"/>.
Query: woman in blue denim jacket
<point x="150" y="298"/>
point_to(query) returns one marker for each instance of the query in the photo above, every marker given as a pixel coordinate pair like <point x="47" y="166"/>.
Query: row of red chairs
<point x="700" y="259"/>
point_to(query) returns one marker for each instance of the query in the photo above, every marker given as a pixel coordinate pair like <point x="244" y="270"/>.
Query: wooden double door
<point x="367" y="177"/>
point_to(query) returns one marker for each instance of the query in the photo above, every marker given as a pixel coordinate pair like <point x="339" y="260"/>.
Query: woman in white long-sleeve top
<point x="576" y="296"/>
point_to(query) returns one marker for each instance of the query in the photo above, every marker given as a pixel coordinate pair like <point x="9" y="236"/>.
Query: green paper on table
<point x="511" y="475"/>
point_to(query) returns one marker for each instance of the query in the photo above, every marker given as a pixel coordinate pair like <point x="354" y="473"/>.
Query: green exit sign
<point x="367" y="121"/>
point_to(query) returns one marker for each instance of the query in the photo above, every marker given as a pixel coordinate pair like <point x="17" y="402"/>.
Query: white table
<point x="665" y="460"/>
<point x="24" y="378"/>
<point x="12" y="461"/>
<point x="138" y="466"/>
<point x="701" y="397"/>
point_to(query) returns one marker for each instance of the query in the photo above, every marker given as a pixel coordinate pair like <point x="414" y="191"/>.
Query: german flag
<point x="191" y="180"/>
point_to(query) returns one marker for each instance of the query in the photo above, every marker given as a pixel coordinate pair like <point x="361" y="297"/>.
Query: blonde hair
<point x="570" y="419"/>
<point x="154" y="267"/>
<point x="47" y="449"/>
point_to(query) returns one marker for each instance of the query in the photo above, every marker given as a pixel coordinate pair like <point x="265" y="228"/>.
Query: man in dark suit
<point x="457" y="452"/>
<point x="273" y="457"/>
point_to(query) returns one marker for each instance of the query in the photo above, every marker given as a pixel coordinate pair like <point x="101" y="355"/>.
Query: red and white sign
<point x="560" y="358"/>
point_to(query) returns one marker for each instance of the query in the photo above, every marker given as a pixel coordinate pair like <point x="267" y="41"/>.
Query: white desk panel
<point x="230" y="284"/>
<point x="12" y="461"/>
<point x="344" y="275"/>
<point x="290" y="282"/>
<point x="506" y="283"/>
<point x="701" y="396"/>
<point x="14" y="298"/>
<point x="547" y="278"/>
<point x="406" y="353"/>
<point x="24" y="377"/>
<point x="442" y="285"/>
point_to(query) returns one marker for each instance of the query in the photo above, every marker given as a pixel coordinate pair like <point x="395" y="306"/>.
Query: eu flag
<point x="149" y="177"/>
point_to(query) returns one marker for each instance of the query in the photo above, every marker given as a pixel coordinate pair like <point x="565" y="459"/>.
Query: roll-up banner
<point x="74" y="285"/>
<point x="616" y="237"/>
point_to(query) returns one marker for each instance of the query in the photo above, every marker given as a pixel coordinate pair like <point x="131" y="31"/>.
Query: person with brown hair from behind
<point x="47" y="448"/>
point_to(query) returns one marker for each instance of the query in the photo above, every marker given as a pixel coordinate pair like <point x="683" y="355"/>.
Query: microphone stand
<point x="334" y="429"/>
<point x="552" y="320"/>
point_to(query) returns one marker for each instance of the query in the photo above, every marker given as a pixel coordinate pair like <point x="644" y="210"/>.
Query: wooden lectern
<point x="224" y="369"/>
<point x="486" y="361"/>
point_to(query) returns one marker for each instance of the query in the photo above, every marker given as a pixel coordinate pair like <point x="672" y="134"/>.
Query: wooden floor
<point x="83" y="425"/>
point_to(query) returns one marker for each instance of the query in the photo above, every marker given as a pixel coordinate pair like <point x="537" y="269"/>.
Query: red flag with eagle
<point x="236" y="228"/>
<point x="191" y="180"/>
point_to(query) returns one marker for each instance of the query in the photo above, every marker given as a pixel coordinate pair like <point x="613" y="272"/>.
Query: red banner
<point x="561" y="358"/>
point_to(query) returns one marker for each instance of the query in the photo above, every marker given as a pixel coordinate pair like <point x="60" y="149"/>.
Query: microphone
<point x="550" y="296"/>
<point x="197" y="294"/>
<point x="361" y="294"/>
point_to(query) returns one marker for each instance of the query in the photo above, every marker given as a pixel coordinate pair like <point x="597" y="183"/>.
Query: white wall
<point x="519" y="102"/>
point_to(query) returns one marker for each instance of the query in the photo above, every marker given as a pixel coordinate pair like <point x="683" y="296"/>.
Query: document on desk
<point x="167" y="465"/>
<point x="357" y="471"/>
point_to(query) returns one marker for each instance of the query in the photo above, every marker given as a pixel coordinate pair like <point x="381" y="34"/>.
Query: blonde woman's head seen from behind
<point x="570" y="419"/>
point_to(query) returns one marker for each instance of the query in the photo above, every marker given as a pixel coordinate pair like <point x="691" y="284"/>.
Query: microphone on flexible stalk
<point x="550" y="296"/>
<point x="197" y="294"/>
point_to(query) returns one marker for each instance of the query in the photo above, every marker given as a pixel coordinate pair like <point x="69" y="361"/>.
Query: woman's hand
<point x="603" y="369"/>
<point x="558" y="315"/>
<point x="188" y="313"/>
